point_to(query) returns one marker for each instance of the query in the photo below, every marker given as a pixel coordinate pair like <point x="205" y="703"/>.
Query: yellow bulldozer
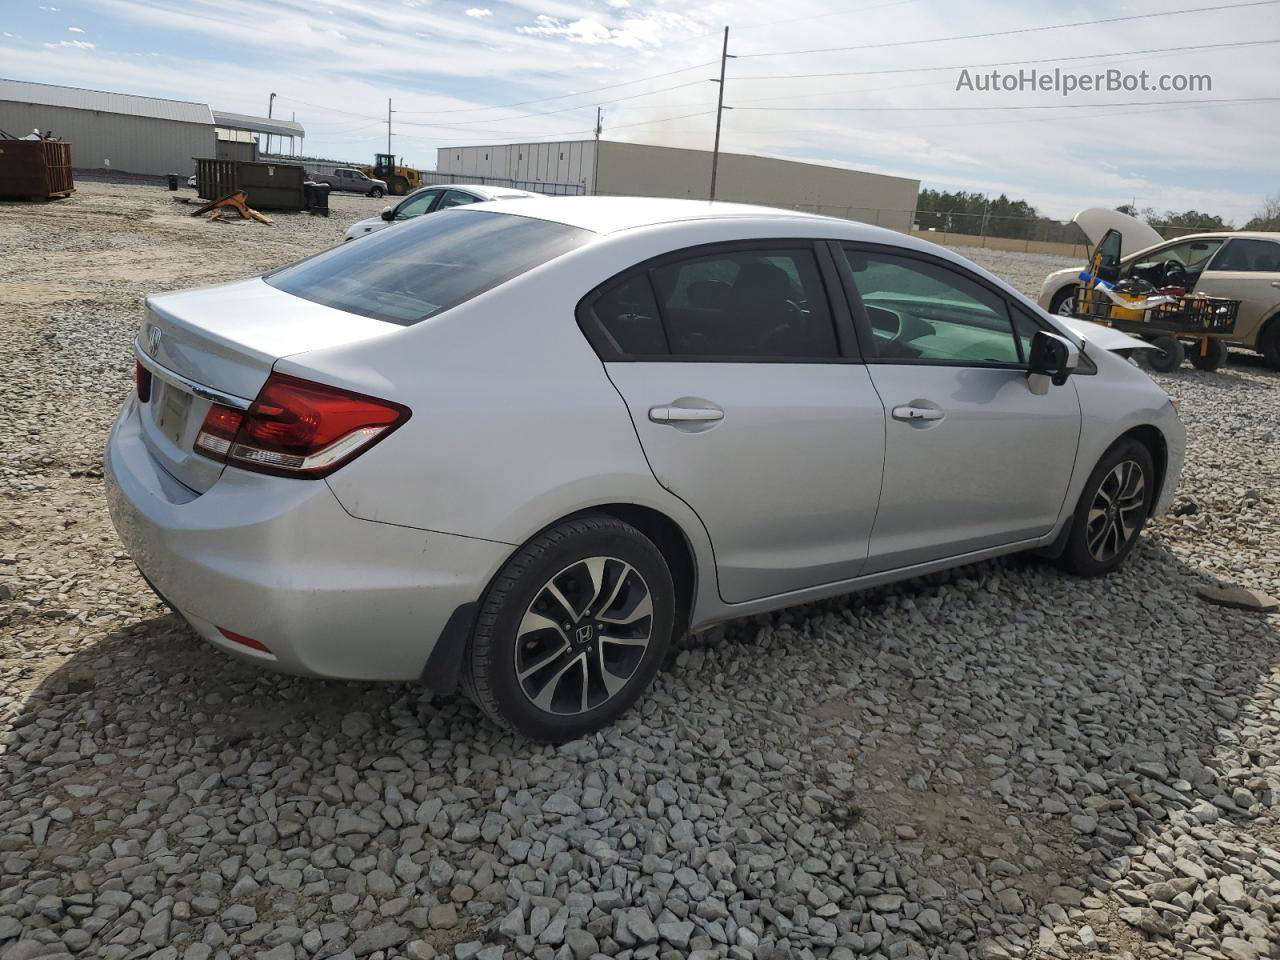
<point x="399" y="178"/>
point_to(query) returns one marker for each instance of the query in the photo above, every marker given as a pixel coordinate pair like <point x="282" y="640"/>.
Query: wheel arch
<point x="1267" y="328"/>
<point x="1154" y="441"/>
<point x="672" y="542"/>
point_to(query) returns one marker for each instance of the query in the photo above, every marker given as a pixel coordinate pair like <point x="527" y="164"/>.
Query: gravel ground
<point x="998" y="762"/>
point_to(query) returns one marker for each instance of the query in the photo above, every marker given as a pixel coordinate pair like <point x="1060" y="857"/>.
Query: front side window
<point x="1179" y="263"/>
<point x="428" y="265"/>
<point x="746" y="303"/>
<point x="416" y="205"/>
<point x="921" y="311"/>
<point x="1249" y="256"/>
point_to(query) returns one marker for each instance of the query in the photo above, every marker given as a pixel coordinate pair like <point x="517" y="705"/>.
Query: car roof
<point x="611" y="214"/>
<point x="486" y="190"/>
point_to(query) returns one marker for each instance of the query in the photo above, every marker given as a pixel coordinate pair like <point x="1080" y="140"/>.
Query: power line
<point x="1009" y="33"/>
<point x="1052" y="106"/>
<point x="581" y="106"/>
<point x="1006" y="63"/>
<point x="577" y="93"/>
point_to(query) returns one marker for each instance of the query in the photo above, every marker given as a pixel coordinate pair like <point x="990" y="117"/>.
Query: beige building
<point x="638" y="169"/>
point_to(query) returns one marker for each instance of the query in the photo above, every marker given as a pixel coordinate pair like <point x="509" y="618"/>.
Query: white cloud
<point x="75" y="30"/>
<point x="77" y="44"/>
<point x="479" y="12"/>
<point x="49" y="9"/>
<point x="652" y="29"/>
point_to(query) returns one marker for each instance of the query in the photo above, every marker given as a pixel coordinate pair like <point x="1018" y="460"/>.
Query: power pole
<point x="271" y="102"/>
<point x="389" y="126"/>
<point x="595" y="159"/>
<point x="720" y="108"/>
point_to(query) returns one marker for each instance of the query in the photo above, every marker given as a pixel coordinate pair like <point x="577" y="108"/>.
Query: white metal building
<point x="115" y="131"/>
<point x="638" y="169"/>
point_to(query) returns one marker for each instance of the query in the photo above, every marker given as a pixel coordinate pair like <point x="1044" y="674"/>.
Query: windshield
<point x="427" y="265"/>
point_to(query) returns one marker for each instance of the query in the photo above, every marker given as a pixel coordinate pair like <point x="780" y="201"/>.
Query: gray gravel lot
<point x="998" y="762"/>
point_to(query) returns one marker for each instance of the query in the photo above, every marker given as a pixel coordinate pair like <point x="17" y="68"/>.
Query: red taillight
<point x="298" y="428"/>
<point x="142" y="381"/>
<point x="244" y="641"/>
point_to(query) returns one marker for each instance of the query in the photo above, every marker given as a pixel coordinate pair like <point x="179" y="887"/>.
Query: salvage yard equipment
<point x="35" y="169"/>
<point x="398" y="178"/>
<point x="269" y="186"/>
<point x="1169" y="318"/>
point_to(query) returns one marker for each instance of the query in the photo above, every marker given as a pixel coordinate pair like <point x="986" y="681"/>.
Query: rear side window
<point x="757" y="303"/>
<point x="428" y="265"/>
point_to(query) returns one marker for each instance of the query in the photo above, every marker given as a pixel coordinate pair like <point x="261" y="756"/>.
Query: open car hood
<point x="1104" y="338"/>
<point x="1135" y="235"/>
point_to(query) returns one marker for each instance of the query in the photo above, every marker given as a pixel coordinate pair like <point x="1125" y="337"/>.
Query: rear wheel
<point x="376" y="193"/>
<point x="1112" y="509"/>
<point x="1064" y="302"/>
<point x="1167" y="356"/>
<point x="398" y="186"/>
<point x="1211" y="359"/>
<point x="572" y="630"/>
<point x="1269" y="344"/>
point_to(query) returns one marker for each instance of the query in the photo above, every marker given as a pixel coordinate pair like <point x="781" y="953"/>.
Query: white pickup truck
<point x="351" y="180"/>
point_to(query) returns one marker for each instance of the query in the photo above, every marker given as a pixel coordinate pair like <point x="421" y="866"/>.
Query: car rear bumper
<point x="279" y="560"/>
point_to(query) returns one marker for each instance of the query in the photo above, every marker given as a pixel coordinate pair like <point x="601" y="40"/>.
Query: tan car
<point x="1241" y="265"/>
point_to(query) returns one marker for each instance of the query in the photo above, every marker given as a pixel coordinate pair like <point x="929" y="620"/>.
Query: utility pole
<point x="271" y="102"/>
<point x="595" y="159"/>
<point x="389" y="128"/>
<point x="720" y="108"/>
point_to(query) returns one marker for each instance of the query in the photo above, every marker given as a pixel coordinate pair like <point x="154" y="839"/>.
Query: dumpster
<point x="270" y="186"/>
<point x="317" y="197"/>
<point x="35" y="169"/>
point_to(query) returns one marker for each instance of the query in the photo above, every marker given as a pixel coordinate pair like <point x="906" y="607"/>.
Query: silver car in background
<point x="522" y="445"/>
<point x="432" y="199"/>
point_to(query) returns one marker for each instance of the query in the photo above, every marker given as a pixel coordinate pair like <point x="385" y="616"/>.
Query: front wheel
<point x="1064" y="302"/>
<point x="572" y="630"/>
<point x="1112" y="509"/>
<point x="1167" y="355"/>
<point x="376" y="193"/>
<point x="1213" y="356"/>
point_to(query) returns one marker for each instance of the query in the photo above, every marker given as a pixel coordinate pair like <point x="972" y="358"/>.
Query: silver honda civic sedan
<point x="523" y="445"/>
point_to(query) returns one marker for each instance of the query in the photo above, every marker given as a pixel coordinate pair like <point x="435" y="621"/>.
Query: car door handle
<point x="672" y="414"/>
<point x="916" y="413"/>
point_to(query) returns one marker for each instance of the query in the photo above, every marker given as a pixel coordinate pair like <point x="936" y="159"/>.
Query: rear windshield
<point x="415" y="270"/>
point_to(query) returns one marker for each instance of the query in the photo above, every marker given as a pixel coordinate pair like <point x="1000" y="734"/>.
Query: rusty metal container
<point x="270" y="186"/>
<point x="35" y="169"/>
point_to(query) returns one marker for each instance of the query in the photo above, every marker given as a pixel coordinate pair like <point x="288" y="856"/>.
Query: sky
<point x="870" y="84"/>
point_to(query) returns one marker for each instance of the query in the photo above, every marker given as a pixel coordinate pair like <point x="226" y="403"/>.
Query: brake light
<point x="142" y="381"/>
<point x="298" y="428"/>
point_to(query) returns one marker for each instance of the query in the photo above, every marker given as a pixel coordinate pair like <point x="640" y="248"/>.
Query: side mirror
<point x="388" y="213"/>
<point x="1052" y="360"/>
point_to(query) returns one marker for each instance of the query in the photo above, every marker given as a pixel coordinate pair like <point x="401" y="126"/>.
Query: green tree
<point x="1268" y="218"/>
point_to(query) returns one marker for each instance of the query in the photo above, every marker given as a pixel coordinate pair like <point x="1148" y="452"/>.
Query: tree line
<point x="979" y="214"/>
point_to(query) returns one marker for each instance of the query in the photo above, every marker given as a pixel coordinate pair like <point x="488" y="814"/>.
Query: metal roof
<point x="77" y="98"/>
<point x="272" y="125"/>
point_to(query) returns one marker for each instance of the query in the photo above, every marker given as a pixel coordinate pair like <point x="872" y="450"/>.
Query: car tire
<point x="1168" y="355"/>
<point x="1211" y="360"/>
<point x="1063" y="302"/>
<point x="551" y="656"/>
<point x="1269" y="344"/>
<point x="1121" y="486"/>
<point x="376" y="193"/>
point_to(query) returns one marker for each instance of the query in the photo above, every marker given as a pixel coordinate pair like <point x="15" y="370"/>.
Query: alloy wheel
<point x="1116" y="511"/>
<point x="583" y="636"/>
<point x="1067" y="306"/>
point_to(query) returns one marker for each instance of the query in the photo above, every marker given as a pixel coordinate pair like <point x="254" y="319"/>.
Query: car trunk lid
<point x="219" y="344"/>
